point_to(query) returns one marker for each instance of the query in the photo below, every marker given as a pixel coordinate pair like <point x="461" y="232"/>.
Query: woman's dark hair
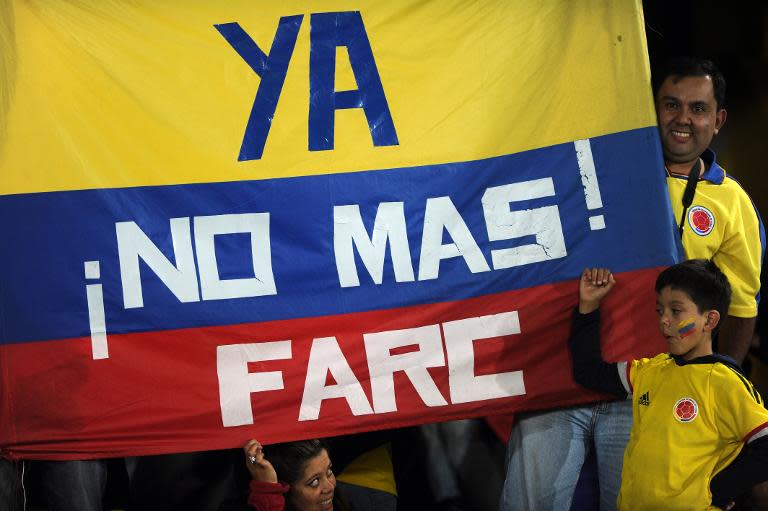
<point x="289" y="459"/>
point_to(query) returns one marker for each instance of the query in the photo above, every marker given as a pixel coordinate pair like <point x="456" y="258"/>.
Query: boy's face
<point x="687" y="330"/>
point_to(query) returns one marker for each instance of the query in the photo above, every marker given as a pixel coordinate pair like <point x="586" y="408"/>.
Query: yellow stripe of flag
<point x="118" y="94"/>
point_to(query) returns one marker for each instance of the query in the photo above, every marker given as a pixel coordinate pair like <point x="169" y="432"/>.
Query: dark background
<point x="734" y="34"/>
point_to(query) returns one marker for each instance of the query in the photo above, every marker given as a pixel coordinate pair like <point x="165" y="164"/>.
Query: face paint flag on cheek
<point x="686" y="327"/>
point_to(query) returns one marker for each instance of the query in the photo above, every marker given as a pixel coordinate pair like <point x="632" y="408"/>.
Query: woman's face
<point x="314" y="491"/>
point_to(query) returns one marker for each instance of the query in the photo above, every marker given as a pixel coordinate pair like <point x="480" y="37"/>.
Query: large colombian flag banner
<point x="224" y="220"/>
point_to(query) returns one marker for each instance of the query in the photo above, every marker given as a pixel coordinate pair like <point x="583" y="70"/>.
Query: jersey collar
<point x="709" y="359"/>
<point x="714" y="173"/>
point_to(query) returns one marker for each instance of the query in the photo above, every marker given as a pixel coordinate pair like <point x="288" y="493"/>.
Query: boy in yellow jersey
<point x="693" y="410"/>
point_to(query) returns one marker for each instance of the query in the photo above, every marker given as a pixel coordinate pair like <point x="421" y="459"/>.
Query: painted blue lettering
<point x="329" y="30"/>
<point x="271" y="69"/>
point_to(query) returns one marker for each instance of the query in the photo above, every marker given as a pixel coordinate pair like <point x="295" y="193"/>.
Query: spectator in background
<point x="300" y="473"/>
<point x="297" y="476"/>
<point x="76" y="485"/>
<point x="11" y="490"/>
<point x="463" y="465"/>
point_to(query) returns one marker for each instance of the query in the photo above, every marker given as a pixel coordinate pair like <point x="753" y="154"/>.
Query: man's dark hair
<point x="702" y="280"/>
<point x="290" y="459"/>
<point x="681" y="67"/>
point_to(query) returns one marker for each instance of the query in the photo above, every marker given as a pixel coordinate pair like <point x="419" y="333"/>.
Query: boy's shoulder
<point x="729" y="373"/>
<point x="714" y="360"/>
<point x="725" y="361"/>
<point x="659" y="360"/>
<point x="645" y="368"/>
<point x="719" y="367"/>
<point x="727" y="378"/>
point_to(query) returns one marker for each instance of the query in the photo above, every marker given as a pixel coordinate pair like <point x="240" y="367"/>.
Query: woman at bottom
<point x="297" y="476"/>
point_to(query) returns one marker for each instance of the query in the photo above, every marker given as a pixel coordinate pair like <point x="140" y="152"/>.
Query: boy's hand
<point x="594" y="285"/>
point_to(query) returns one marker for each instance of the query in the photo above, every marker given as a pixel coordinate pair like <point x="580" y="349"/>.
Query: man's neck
<point x="684" y="169"/>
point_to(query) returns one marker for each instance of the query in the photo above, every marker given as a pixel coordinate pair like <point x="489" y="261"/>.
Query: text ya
<point x="328" y="31"/>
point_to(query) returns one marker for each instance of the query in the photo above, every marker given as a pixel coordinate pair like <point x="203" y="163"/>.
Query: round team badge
<point x="686" y="409"/>
<point x="701" y="220"/>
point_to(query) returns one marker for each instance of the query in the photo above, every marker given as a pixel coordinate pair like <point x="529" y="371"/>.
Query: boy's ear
<point x="713" y="318"/>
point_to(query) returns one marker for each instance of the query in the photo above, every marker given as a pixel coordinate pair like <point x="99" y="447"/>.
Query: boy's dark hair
<point x="702" y="280"/>
<point x="681" y="67"/>
<point x="290" y="459"/>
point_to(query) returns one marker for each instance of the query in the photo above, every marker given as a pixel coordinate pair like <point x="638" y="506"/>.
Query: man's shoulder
<point x="733" y="185"/>
<point x="726" y="181"/>
<point x="729" y="198"/>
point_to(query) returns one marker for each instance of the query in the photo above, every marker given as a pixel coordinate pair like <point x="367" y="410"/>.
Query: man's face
<point x="688" y="117"/>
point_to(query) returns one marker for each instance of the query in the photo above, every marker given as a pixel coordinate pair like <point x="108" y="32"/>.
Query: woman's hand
<point x="259" y="467"/>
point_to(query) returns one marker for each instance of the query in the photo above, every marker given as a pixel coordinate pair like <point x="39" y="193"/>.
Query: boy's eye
<point x="659" y="311"/>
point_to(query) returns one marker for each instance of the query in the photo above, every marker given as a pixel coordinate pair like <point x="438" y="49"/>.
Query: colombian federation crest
<point x="701" y="220"/>
<point x="686" y="409"/>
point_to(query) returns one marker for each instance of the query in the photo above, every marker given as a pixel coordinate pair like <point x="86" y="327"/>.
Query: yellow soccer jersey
<point x="691" y="420"/>
<point x="723" y="225"/>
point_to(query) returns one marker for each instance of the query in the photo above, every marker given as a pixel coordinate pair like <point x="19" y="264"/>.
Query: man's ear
<point x="713" y="318"/>
<point x="720" y="119"/>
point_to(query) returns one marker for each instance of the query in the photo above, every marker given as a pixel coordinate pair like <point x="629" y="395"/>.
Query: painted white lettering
<point x="503" y="224"/>
<point x="211" y="284"/>
<point x="133" y="244"/>
<point x="459" y="336"/>
<point x="325" y="356"/>
<point x="382" y="365"/>
<point x="441" y="214"/>
<point x="349" y="232"/>
<point x="235" y="382"/>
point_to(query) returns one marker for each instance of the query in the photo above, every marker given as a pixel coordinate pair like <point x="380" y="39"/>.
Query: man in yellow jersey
<point x="693" y="410"/>
<point x="720" y="222"/>
<point x="547" y="449"/>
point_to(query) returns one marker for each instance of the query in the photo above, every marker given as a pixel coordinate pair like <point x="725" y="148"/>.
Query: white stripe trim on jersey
<point x="622" y="368"/>
<point x="760" y="434"/>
